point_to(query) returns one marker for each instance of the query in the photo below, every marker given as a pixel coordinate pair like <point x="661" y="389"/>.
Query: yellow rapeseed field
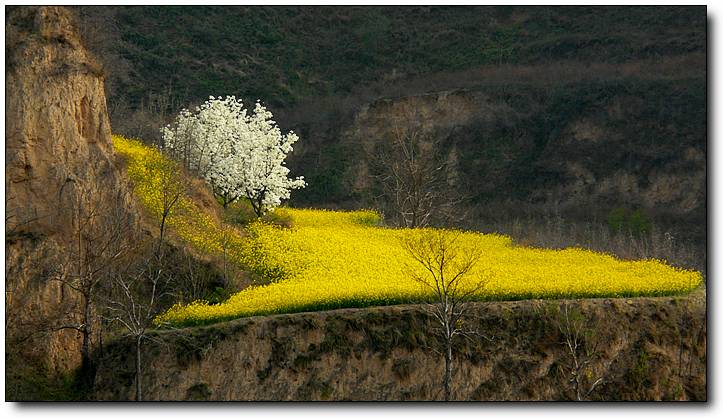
<point x="331" y="259"/>
<point x="346" y="261"/>
<point x="147" y="167"/>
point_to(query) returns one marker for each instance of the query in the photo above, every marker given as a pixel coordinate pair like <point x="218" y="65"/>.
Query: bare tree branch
<point x="100" y="225"/>
<point x="581" y="352"/>
<point x="448" y="275"/>
<point x="413" y="171"/>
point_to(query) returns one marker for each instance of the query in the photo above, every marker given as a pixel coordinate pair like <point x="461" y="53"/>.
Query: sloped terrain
<point x="646" y="349"/>
<point x="575" y="109"/>
<point x="286" y="54"/>
<point x="58" y="157"/>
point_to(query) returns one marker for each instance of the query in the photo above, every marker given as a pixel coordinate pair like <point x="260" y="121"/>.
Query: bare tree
<point x="413" y="171"/>
<point x="100" y="225"/>
<point x="226" y="242"/>
<point x="16" y="221"/>
<point x="446" y="272"/>
<point x="154" y="111"/>
<point x="134" y="301"/>
<point x="581" y="352"/>
<point x="172" y="189"/>
<point x="136" y="295"/>
<point x="16" y="218"/>
<point x="191" y="281"/>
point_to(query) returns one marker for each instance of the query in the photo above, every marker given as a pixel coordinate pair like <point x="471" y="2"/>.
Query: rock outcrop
<point x="580" y="146"/>
<point x="611" y="151"/>
<point x="56" y="122"/>
<point x="58" y="152"/>
<point x="645" y="349"/>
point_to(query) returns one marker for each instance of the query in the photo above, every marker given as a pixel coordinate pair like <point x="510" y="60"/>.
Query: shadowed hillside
<point x="567" y="129"/>
<point x="285" y="54"/>
<point x="650" y="349"/>
<point x="559" y="111"/>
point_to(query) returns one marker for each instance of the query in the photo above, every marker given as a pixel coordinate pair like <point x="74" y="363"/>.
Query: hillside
<point x="582" y="145"/>
<point x="322" y="259"/>
<point x="560" y="155"/>
<point x="649" y="349"/>
<point x="287" y="54"/>
<point x="556" y="111"/>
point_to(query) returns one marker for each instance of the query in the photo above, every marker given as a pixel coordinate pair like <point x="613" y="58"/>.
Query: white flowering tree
<point x="239" y="154"/>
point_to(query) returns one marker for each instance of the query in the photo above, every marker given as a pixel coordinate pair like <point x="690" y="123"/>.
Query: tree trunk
<point x="86" y="373"/>
<point x="225" y="269"/>
<point x="258" y="207"/>
<point x="138" y="369"/>
<point x="162" y="231"/>
<point x="448" y="371"/>
<point x="85" y="349"/>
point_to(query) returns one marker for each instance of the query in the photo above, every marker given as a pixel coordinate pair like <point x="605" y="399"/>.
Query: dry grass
<point x="547" y="74"/>
<point x="558" y="232"/>
<point x="383" y="353"/>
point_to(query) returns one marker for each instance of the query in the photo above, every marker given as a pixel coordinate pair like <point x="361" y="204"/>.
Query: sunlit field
<point x="341" y="259"/>
<point x="330" y="259"/>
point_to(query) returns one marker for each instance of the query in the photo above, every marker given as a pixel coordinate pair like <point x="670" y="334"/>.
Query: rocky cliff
<point x="642" y="348"/>
<point x="579" y="140"/>
<point x="59" y="161"/>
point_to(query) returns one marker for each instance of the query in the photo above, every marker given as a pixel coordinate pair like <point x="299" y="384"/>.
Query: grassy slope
<point x="284" y="54"/>
<point x="649" y="349"/>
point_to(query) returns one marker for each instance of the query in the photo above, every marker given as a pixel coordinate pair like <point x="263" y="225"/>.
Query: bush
<point x="616" y="219"/>
<point x="639" y="223"/>
<point x="241" y="213"/>
<point x="635" y="222"/>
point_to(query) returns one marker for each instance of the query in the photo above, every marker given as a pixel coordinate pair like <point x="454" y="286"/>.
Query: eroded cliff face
<point x="56" y="123"/>
<point x="582" y="146"/>
<point x="58" y="152"/>
<point x="619" y="149"/>
<point x="645" y="349"/>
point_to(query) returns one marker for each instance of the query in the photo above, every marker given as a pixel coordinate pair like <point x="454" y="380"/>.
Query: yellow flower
<point x="332" y="259"/>
<point x="340" y="259"/>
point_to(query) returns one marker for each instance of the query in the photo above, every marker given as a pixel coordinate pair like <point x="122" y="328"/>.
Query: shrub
<point x="635" y="222"/>
<point x="616" y="219"/>
<point x="639" y="223"/>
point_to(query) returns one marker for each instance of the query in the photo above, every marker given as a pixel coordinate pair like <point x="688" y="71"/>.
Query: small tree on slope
<point x="239" y="154"/>
<point x="446" y="271"/>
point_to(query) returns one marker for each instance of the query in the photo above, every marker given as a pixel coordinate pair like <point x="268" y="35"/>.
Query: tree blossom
<point x="239" y="154"/>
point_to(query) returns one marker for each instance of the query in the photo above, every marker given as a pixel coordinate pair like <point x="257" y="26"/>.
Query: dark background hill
<point x="284" y="55"/>
<point x="585" y="113"/>
<point x="564" y="126"/>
